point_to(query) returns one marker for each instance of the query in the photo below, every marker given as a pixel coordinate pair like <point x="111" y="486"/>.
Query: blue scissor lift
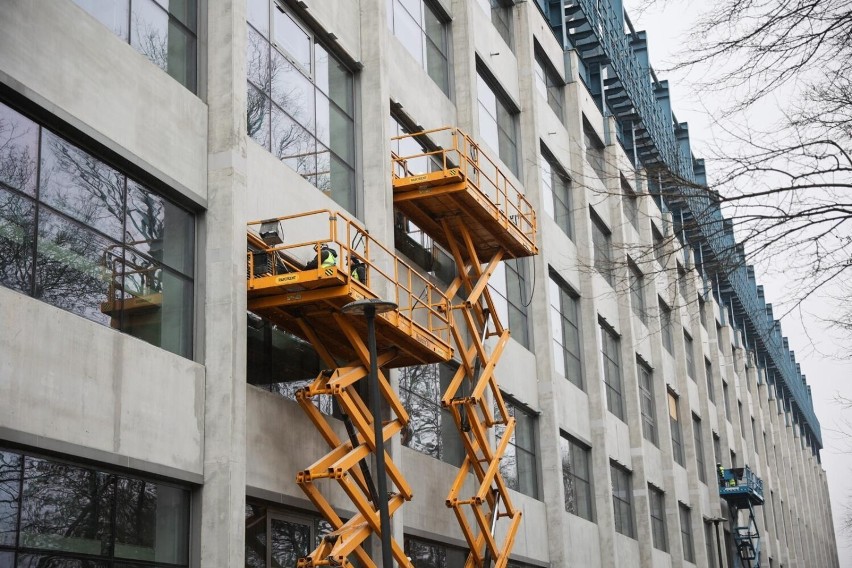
<point x="743" y="491"/>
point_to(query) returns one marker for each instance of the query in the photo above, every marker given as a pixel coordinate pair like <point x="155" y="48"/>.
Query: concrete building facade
<point x="145" y="420"/>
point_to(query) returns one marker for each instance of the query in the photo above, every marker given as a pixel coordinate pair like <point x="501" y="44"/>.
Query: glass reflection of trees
<point x="426" y="554"/>
<point x="300" y="102"/>
<point x="67" y="515"/>
<point x="100" y="236"/>
<point x="279" y="538"/>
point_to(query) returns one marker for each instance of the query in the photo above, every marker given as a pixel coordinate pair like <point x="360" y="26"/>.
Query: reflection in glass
<point x="257" y="116"/>
<point x="257" y="13"/>
<point x="290" y="37"/>
<point x="289" y="542"/>
<point x="7" y="560"/>
<point x="292" y="91"/>
<point x="160" y="229"/>
<point x="151" y="521"/>
<point x="53" y="561"/>
<point x="255" y="536"/>
<point x="18" y="151"/>
<point x="17" y="225"/>
<point x="65" y="508"/>
<point x="294" y="145"/>
<point x="76" y="183"/>
<point x="10" y="481"/>
<point x="257" y="60"/>
<point x="165" y="42"/>
<point x="69" y="267"/>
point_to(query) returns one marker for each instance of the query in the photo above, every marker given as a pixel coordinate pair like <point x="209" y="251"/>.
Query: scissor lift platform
<point x="302" y="300"/>
<point x="740" y="486"/>
<point x="443" y="181"/>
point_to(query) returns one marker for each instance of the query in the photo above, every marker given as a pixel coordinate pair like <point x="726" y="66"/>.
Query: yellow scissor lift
<point x="305" y="299"/>
<point x="446" y="185"/>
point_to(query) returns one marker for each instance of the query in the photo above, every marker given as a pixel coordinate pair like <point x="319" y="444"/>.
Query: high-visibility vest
<point x="329" y="258"/>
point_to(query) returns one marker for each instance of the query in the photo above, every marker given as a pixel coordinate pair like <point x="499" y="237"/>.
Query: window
<point x="659" y="246"/>
<point x="497" y="124"/>
<point x="429" y="554"/>
<point x="666" y="327"/>
<point x="51" y="512"/>
<point x="630" y="204"/>
<point x="690" y="355"/>
<point x="501" y="17"/>
<point x="657" y="504"/>
<point x="646" y="399"/>
<point x="556" y="189"/>
<point x="701" y="315"/>
<point x="708" y="373"/>
<point x="686" y="532"/>
<point x="740" y="416"/>
<point x="677" y="436"/>
<point x="622" y="500"/>
<point x="711" y="549"/>
<point x="424" y="35"/>
<point x="637" y="293"/>
<point x="717" y="448"/>
<point x="431" y="429"/>
<point x="279" y="537"/>
<point x="754" y="435"/>
<point x="727" y="401"/>
<point x="611" y="363"/>
<point x="577" y="477"/>
<point x="681" y="283"/>
<point x="565" y="322"/>
<point x="548" y="83"/>
<point x="595" y="156"/>
<point x="82" y="236"/>
<point x="602" y="243"/>
<point x="699" y="449"/>
<point x="509" y="284"/>
<point x="519" y="464"/>
<point x="164" y="32"/>
<point x="300" y="103"/>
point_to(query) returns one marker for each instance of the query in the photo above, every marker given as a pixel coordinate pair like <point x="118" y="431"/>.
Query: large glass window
<point x="548" y="83"/>
<point x="565" y="322"/>
<point x="677" y="434"/>
<point x="657" y="505"/>
<point x="686" y="532"/>
<point x="82" y="236"/>
<point x="512" y="296"/>
<point x="497" y="124"/>
<point x="630" y="204"/>
<point x="622" y="500"/>
<point x="163" y="31"/>
<point x="689" y="350"/>
<point x="429" y="554"/>
<point x="594" y="150"/>
<point x="54" y="513"/>
<point x="637" y="293"/>
<point x="577" y="477"/>
<point x="431" y="429"/>
<point x="519" y="466"/>
<point x="666" y="327"/>
<point x="727" y="400"/>
<point x="602" y="244"/>
<point x="423" y="33"/>
<point x="611" y="363"/>
<point x="708" y="373"/>
<point x="280" y="537"/>
<point x="300" y="101"/>
<point x="647" y="405"/>
<point x="699" y="448"/>
<point x="556" y="189"/>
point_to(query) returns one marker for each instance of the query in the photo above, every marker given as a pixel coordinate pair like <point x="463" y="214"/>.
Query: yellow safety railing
<point x="449" y="148"/>
<point x="384" y="275"/>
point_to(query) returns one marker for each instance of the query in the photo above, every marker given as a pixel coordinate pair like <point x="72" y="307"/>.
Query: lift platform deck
<point x="305" y="298"/>
<point x="442" y="181"/>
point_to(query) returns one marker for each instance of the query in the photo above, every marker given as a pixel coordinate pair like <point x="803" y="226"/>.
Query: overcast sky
<point x="816" y="345"/>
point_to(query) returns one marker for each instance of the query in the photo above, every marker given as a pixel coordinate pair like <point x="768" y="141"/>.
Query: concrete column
<point x="223" y="494"/>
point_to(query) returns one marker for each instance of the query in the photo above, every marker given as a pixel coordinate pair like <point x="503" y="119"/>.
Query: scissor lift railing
<point x="743" y="491"/>
<point x="460" y="198"/>
<point x="135" y="284"/>
<point x="285" y="288"/>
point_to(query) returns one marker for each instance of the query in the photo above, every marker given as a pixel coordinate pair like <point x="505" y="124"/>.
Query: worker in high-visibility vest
<point x="328" y="256"/>
<point x="359" y="270"/>
<point x="721" y="471"/>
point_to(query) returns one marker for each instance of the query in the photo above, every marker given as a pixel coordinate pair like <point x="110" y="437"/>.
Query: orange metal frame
<point x="278" y="278"/>
<point x="454" y="167"/>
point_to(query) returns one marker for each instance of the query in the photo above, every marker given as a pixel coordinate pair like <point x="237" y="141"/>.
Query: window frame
<point x="444" y="50"/>
<point x="678" y="453"/>
<point x="558" y="192"/>
<point x="574" y="446"/>
<point x="604" y="259"/>
<point x="546" y="77"/>
<point x="687" y="542"/>
<point x="700" y="459"/>
<point x="647" y="406"/>
<point x="514" y="408"/>
<point x="508" y="154"/>
<point x="666" y="324"/>
<point x="611" y="365"/>
<point x="689" y="356"/>
<point x="657" y="501"/>
<point x="560" y="312"/>
<point x="622" y="482"/>
<point x="637" y="292"/>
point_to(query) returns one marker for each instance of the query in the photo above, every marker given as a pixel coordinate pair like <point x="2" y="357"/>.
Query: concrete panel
<point x="427" y="514"/>
<point x="274" y="426"/>
<point x="409" y="84"/>
<point x="341" y="19"/>
<point x="61" y="58"/>
<point x="573" y="410"/>
<point x="618" y="440"/>
<point x="653" y="464"/>
<point x="517" y="373"/>
<point x="626" y="552"/>
<point x="72" y="380"/>
<point x="661" y="559"/>
<point x="531" y="539"/>
<point x="583" y="541"/>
